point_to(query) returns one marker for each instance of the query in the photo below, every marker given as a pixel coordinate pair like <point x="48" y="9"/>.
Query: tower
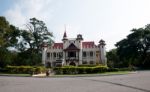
<point x="79" y="40"/>
<point x="65" y="43"/>
<point x="102" y="52"/>
<point x="44" y="49"/>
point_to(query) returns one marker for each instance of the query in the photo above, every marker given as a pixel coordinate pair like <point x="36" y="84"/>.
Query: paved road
<point x="137" y="82"/>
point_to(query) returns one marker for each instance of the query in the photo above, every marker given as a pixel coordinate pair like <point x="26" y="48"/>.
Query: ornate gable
<point x="71" y="47"/>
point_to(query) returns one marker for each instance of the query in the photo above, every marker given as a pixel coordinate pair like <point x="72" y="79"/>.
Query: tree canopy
<point x="32" y="39"/>
<point x="28" y="42"/>
<point x="134" y="49"/>
<point x="8" y="38"/>
<point x="8" y="34"/>
<point x="35" y="35"/>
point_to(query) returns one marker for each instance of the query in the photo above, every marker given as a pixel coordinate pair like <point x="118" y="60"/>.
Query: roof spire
<point x="65" y="35"/>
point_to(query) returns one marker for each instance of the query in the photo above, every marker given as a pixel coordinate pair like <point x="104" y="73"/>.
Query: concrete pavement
<point x="136" y="82"/>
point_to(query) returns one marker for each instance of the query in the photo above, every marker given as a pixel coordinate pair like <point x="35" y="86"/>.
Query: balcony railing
<point x="72" y="58"/>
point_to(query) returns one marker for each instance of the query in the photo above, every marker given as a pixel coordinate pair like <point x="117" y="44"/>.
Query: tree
<point x="32" y="40"/>
<point x="113" y="59"/>
<point x="135" y="47"/>
<point x="8" y="38"/>
<point x="35" y="35"/>
<point x="8" y="34"/>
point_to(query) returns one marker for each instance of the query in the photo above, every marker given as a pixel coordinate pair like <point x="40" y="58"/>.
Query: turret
<point x="79" y="37"/>
<point x="79" y="40"/>
<point x="44" y="49"/>
<point x="102" y="52"/>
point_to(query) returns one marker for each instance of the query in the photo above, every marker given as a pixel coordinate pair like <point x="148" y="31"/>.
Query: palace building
<point x="74" y="51"/>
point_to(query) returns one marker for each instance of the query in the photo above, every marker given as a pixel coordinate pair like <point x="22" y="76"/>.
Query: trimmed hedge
<point x="25" y="69"/>
<point x="113" y="70"/>
<point x="80" y="70"/>
<point x="87" y="65"/>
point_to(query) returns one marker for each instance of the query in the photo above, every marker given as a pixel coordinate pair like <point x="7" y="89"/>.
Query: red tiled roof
<point x="58" y="45"/>
<point x="88" y="44"/>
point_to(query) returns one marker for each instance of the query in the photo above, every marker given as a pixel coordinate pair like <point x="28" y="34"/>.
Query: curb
<point x="88" y="75"/>
<point x="61" y="76"/>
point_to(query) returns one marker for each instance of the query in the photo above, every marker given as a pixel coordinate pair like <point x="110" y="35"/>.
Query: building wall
<point x="90" y="55"/>
<point x="94" y="54"/>
<point x="54" y="54"/>
<point x="50" y="57"/>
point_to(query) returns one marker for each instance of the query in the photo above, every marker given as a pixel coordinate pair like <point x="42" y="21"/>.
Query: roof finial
<point x="65" y="27"/>
<point x="65" y="35"/>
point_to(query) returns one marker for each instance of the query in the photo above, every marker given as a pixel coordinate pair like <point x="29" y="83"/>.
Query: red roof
<point x="88" y="44"/>
<point x="58" y="45"/>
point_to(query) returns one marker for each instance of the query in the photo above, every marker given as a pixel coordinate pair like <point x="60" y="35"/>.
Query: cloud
<point x="95" y="19"/>
<point x="23" y="10"/>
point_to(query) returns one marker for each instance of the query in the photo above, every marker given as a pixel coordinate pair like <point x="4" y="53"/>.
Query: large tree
<point x="8" y="34"/>
<point x="35" y="35"/>
<point x="135" y="48"/>
<point x="8" y="38"/>
<point x="113" y="59"/>
<point x="31" y="42"/>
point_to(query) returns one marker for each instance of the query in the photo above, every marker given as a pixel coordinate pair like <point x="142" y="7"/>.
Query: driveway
<point x="137" y="82"/>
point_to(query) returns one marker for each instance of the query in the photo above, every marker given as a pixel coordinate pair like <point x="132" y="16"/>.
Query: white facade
<point x="74" y="52"/>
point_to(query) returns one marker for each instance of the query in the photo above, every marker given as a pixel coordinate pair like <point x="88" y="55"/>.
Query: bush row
<point x="87" y="65"/>
<point x="25" y="69"/>
<point x="79" y="70"/>
<point x="120" y="69"/>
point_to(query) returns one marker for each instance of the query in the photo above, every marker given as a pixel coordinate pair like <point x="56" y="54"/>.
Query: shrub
<point x="39" y="69"/>
<point x="113" y="69"/>
<point x="87" y="65"/>
<point x="25" y="69"/>
<point x="100" y="69"/>
<point x="80" y="70"/>
<point x="125" y="69"/>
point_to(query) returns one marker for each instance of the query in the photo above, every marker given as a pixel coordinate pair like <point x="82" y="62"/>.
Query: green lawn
<point x="19" y="75"/>
<point x="73" y="75"/>
<point x="98" y="74"/>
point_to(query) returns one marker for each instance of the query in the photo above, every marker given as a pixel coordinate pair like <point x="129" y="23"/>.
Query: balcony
<point x="72" y="58"/>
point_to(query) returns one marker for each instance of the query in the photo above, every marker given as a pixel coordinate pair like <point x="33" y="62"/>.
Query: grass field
<point x="98" y="74"/>
<point x="72" y="75"/>
<point x="19" y="75"/>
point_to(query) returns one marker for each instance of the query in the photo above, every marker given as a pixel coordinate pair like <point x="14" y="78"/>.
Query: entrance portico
<point x="72" y="55"/>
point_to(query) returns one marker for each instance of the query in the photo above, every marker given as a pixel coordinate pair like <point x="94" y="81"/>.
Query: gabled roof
<point x="71" y="47"/>
<point x="58" y="45"/>
<point x="89" y="44"/>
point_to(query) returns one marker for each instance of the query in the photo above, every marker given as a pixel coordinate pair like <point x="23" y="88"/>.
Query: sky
<point x="110" y="20"/>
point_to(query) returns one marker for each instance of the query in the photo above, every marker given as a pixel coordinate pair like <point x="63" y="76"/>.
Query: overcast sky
<point x="110" y="20"/>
